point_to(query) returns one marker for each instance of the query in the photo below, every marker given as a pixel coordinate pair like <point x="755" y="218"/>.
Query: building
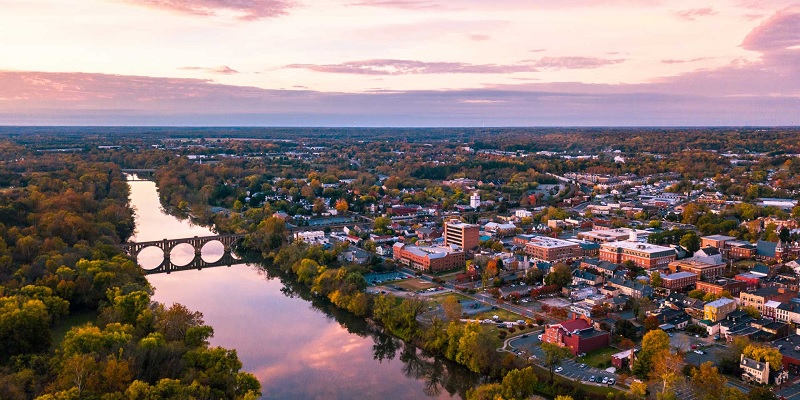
<point x="475" y="200"/>
<point x="611" y="235"/>
<point x="550" y="249"/>
<point x="785" y="204"/>
<point x="577" y="334"/>
<point x="582" y="276"/>
<point x="751" y="280"/>
<point x="788" y="312"/>
<point x="760" y="297"/>
<point x="500" y="230"/>
<point x="790" y="350"/>
<point x="738" y="250"/>
<point x="311" y="237"/>
<point x="429" y="259"/>
<point x="716" y="241"/>
<point x="641" y="254"/>
<point x="717" y="310"/>
<point x="704" y="271"/>
<point x="622" y="360"/>
<point x="770" y="251"/>
<point x="719" y="285"/>
<point x="678" y="280"/>
<point x="754" y="371"/>
<point x="465" y="236"/>
<point x="710" y="255"/>
<point x="634" y="289"/>
<point x="523" y="214"/>
<point x="604" y="267"/>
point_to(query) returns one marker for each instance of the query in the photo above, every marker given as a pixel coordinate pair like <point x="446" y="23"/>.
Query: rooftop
<point x="548" y="242"/>
<point x="720" y="302"/>
<point x="719" y="237"/>
<point x="679" y="275"/>
<point x="639" y="247"/>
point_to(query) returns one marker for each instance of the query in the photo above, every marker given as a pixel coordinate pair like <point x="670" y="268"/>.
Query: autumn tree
<point x="707" y="382"/>
<point x="765" y="353"/>
<point x="341" y="206"/>
<point x="452" y="308"/>
<point x="654" y="344"/>
<point x="655" y="279"/>
<point x="560" y="275"/>
<point x="690" y="242"/>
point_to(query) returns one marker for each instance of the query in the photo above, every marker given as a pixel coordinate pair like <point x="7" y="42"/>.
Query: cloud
<point x="692" y="14"/>
<point x="479" y="38"/>
<point x="222" y="70"/>
<point x="778" y="33"/>
<point x="402" y="4"/>
<point x="412" y="67"/>
<point x="559" y="63"/>
<point x="246" y="9"/>
<point x="691" y="60"/>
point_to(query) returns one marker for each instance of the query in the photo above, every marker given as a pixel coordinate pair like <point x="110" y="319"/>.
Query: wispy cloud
<point x="222" y="70"/>
<point x="693" y="14"/>
<point x="678" y="61"/>
<point x="247" y="9"/>
<point x="479" y="38"/>
<point x="403" y="4"/>
<point x="413" y="67"/>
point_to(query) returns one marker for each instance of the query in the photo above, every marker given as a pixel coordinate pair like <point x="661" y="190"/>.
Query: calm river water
<point x="297" y="345"/>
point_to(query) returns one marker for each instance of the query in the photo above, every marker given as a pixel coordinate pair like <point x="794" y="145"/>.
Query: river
<point x="297" y="345"/>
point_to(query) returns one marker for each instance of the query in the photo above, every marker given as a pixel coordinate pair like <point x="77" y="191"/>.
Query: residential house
<point x="678" y="280"/>
<point x="719" y="285"/>
<point x="760" y="297"/>
<point x="634" y="289"/>
<point x="717" y="310"/>
<point x="583" y="276"/>
<point x="754" y="371"/>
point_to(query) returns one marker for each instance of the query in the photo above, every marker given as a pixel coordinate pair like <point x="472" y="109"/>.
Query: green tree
<point x="690" y="242"/>
<point x="560" y="275"/>
<point x="654" y="344"/>
<point x="381" y="225"/>
<point x="766" y="354"/>
<point x="655" y="279"/>
<point x="452" y="308"/>
<point x="519" y="384"/>
<point x="553" y="355"/>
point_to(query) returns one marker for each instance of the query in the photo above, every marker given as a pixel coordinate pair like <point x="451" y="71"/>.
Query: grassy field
<point x="439" y="298"/>
<point x="599" y="358"/>
<point x="414" y="284"/>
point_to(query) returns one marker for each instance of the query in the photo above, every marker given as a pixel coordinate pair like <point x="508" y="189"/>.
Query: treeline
<point x="59" y="263"/>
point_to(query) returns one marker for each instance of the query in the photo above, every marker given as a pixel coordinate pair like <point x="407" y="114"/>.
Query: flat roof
<point x="718" y="237"/>
<point x="679" y="275"/>
<point x="548" y="242"/>
<point x="643" y="247"/>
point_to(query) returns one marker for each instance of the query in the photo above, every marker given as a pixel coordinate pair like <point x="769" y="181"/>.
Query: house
<point x="623" y="360"/>
<point x="604" y="267"/>
<point x="634" y="289"/>
<point x="354" y="255"/>
<point x="754" y="371"/>
<point x="583" y="276"/>
<point x="752" y="280"/>
<point x="577" y="334"/>
<point x="788" y="312"/>
<point x="500" y="230"/>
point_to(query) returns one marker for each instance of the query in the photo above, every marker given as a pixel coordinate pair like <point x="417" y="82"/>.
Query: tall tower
<point x="460" y="234"/>
<point x="475" y="200"/>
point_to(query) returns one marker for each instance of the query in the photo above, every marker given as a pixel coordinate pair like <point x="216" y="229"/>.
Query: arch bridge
<point x="166" y="245"/>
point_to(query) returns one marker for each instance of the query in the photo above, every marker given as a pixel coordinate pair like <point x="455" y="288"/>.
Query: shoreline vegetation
<point x="60" y="265"/>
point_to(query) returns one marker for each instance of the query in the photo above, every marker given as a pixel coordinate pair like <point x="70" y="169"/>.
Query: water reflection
<point x="298" y="345"/>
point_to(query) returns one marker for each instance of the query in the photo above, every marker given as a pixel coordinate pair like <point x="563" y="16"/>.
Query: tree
<point x="697" y="294"/>
<point x="560" y="275"/>
<point x="667" y="371"/>
<point x="752" y="311"/>
<point x="651" y="323"/>
<point x="639" y="389"/>
<point x="553" y="355"/>
<point x="654" y="344"/>
<point x="655" y="279"/>
<point x="690" y="242"/>
<point x="519" y="384"/>
<point x="381" y="225"/>
<point x="765" y="354"/>
<point x="341" y="206"/>
<point x="707" y="382"/>
<point x="452" y="308"/>
<point x="761" y="393"/>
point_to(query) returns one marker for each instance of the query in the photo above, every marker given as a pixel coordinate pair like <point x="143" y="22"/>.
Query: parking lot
<point x="791" y="392"/>
<point x="530" y="346"/>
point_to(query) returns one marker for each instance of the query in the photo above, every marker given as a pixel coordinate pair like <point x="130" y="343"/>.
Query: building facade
<point x="641" y="254"/>
<point x="703" y="270"/>
<point x="577" y="334"/>
<point x="465" y="236"/>
<point x="429" y="259"/>
<point x="550" y="249"/>
<point x="718" y="286"/>
<point x="678" y="280"/>
<point x="717" y="310"/>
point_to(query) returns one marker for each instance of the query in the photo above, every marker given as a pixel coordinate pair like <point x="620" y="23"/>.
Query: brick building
<point x="717" y="286"/>
<point x="550" y="249"/>
<point x="643" y="255"/>
<point x="465" y="236"/>
<point x="717" y="310"/>
<point x="577" y="334"/>
<point x="738" y="250"/>
<point x="703" y="270"/>
<point x="429" y="259"/>
<point x="678" y="280"/>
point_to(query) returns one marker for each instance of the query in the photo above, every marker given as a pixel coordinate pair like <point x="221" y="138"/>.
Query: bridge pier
<point x="197" y="243"/>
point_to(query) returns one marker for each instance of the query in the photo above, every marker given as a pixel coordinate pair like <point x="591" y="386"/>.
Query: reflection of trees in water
<point x="437" y="373"/>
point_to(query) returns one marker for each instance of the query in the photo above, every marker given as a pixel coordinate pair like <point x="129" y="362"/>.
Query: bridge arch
<point x="133" y="249"/>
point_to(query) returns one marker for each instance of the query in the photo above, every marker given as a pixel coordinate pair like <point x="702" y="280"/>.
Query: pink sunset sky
<point x="400" y="62"/>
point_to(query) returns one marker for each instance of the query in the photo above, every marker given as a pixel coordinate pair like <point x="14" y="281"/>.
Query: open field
<point x="414" y="284"/>
<point x="599" y="358"/>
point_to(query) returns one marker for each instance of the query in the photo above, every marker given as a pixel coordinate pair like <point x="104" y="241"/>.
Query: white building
<point x="523" y="214"/>
<point x="311" y="237"/>
<point x="475" y="200"/>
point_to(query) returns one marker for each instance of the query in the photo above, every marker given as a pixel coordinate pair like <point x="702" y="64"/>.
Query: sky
<point x="400" y="62"/>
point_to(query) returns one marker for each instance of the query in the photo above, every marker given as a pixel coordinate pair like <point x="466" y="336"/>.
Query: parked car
<point x="592" y="379"/>
<point x="612" y="381"/>
<point x="583" y="366"/>
<point x="605" y="379"/>
<point x="559" y="369"/>
<point x="540" y="337"/>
